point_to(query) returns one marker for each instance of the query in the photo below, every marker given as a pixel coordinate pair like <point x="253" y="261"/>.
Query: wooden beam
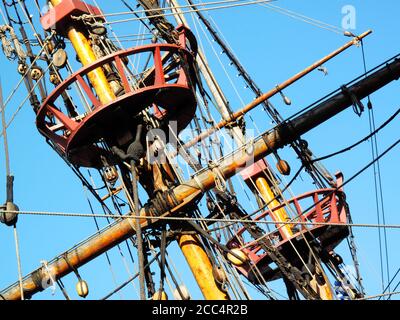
<point x="205" y="179"/>
<point x="268" y="95"/>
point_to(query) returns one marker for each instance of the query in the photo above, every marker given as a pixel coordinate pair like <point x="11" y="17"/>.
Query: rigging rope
<point x="9" y="189"/>
<point x="50" y="280"/>
<point x="380" y="295"/>
<point x="237" y="220"/>
<point x="390" y="282"/>
<point x="85" y="215"/>
<point x="314" y="169"/>
<point x="397" y="56"/>
<point x="304" y="18"/>
<point x="372" y="134"/>
<point x="380" y="207"/>
<point x="351" y="179"/>
<point x="314" y="160"/>
<point x="4" y="132"/>
<point x="63" y="289"/>
<point x="17" y="252"/>
<point x="247" y="3"/>
<point x="98" y="229"/>
<point x="130" y="279"/>
<point x="20" y="106"/>
<point x="252" y="221"/>
<point x="138" y="227"/>
<point x="201" y="4"/>
<point x="392" y="293"/>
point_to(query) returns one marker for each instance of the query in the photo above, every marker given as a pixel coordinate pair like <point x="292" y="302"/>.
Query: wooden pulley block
<point x="182" y="293"/>
<point x="10" y="216"/>
<point x="160" y="296"/>
<point x="283" y="167"/>
<point x="54" y="79"/>
<point x="22" y="68"/>
<point x="36" y="73"/>
<point x="60" y="58"/>
<point x="99" y="29"/>
<point x="237" y="257"/>
<point x="82" y="288"/>
<point x="219" y="275"/>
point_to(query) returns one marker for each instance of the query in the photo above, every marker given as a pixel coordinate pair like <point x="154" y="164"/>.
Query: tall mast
<point x="194" y="252"/>
<point x="265" y="186"/>
<point x="205" y="180"/>
<point x="126" y="102"/>
<point x="86" y="55"/>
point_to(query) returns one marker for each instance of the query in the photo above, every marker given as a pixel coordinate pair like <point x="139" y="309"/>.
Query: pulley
<point x="54" y="79"/>
<point x="320" y="279"/>
<point x="82" y="288"/>
<point x="219" y="275"/>
<point x="285" y="99"/>
<point x="337" y="259"/>
<point x="98" y="28"/>
<point x="60" y="58"/>
<point x="349" y="34"/>
<point x="111" y="174"/>
<point x="181" y="293"/>
<point x="160" y="295"/>
<point x="36" y="73"/>
<point x="22" y="68"/>
<point x="220" y="278"/>
<point x="283" y="167"/>
<point x="49" y="46"/>
<point x="9" y="216"/>
<point x="237" y="257"/>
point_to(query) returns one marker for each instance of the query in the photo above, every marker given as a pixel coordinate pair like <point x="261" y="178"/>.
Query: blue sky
<point x="272" y="47"/>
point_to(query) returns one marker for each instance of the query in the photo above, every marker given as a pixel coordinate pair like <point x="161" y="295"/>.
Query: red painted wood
<point x="57" y="134"/>
<point x="122" y="74"/>
<point x="93" y="99"/>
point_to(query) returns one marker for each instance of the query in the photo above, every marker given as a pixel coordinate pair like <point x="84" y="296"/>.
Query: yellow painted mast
<point x="190" y="245"/>
<point x="201" y="267"/>
<point x="87" y="56"/>
<point x="280" y="215"/>
<point x="269" y="141"/>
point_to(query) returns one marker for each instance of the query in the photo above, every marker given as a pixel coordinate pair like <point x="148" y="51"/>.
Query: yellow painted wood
<point x="324" y="291"/>
<point x="86" y="55"/>
<point x="279" y="215"/>
<point x="201" y="267"/>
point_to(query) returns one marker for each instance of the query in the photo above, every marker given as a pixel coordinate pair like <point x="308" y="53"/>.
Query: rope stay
<point x="377" y="177"/>
<point x="155" y="242"/>
<point x="306" y="19"/>
<point x="215" y="6"/>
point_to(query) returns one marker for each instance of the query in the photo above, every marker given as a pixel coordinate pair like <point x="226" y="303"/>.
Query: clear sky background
<point x="272" y="47"/>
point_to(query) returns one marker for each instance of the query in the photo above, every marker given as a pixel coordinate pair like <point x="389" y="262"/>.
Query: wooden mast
<point x="205" y="180"/>
<point x="87" y="56"/>
<point x="223" y="106"/>
<point x="263" y="186"/>
<point x="190" y="245"/>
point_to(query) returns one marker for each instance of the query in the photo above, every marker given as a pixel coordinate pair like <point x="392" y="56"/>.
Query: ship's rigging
<point x="108" y="121"/>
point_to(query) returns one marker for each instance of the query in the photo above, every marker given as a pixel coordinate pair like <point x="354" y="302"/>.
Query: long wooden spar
<point x="274" y="91"/>
<point x="204" y="180"/>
